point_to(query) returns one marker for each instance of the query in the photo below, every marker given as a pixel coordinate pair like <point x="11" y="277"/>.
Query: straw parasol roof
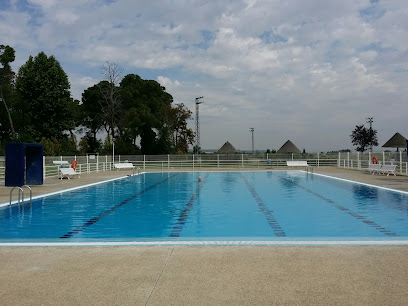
<point x="396" y="141"/>
<point x="227" y="148"/>
<point x="288" y="147"/>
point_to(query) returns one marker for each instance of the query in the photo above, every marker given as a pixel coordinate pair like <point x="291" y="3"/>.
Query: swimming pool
<point x="261" y="207"/>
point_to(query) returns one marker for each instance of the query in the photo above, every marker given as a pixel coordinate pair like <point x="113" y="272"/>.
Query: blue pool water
<point x="263" y="205"/>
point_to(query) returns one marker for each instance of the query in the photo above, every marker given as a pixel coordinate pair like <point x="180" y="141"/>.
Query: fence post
<point x="383" y="158"/>
<point x="193" y="160"/>
<point x="168" y="161"/>
<point x="358" y="161"/>
<point x="400" y="162"/>
<point x="97" y="163"/>
<point x="318" y="160"/>
<point x="43" y="168"/>
<point x="218" y="160"/>
<point x="338" y="161"/>
<point x="144" y="162"/>
<point x="348" y="159"/>
<point x="242" y="160"/>
<point x="292" y="156"/>
<point x="369" y="157"/>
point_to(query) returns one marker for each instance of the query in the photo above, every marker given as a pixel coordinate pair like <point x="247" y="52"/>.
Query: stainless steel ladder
<point x="21" y="193"/>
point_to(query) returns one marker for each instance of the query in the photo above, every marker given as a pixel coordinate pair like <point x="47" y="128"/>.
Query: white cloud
<point x="45" y="4"/>
<point x="296" y="69"/>
<point x="168" y="84"/>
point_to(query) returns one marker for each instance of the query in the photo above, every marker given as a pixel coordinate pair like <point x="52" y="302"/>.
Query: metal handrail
<point x="31" y="192"/>
<point x="21" y="191"/>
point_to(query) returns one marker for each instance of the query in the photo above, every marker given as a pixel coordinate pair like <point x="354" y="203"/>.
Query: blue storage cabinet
<point x="24" y="164"/>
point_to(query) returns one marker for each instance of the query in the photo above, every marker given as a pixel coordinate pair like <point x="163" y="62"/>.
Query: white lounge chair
<point x="373" y="168"/>
<point x="389" y="169"/>
<point x="68" y="173"/>
<point x="60" y="162"/>
<point x="298" y="163"/>
<point x="124" y="166"/>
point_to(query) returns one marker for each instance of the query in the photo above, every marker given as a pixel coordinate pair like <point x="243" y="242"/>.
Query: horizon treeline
<point x="36" y="106"/>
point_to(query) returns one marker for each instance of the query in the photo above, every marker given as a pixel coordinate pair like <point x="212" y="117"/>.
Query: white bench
<point x="389" y="169"/>
<point x="124" y="166"/>
<point x="298" y="163"/>
<point x="60" y="162"/>
<point x="68" y="173"/>
<point x="373" y="168"/>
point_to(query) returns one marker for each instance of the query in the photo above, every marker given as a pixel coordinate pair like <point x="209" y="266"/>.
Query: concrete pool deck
<point x="205" y="275"/>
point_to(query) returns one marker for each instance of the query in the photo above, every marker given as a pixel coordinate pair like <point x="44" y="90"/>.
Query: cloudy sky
<point x="308" y="71"/>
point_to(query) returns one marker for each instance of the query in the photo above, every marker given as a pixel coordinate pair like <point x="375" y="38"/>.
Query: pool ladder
<point x="136" y="170"/>
<point x="21" y="193"/>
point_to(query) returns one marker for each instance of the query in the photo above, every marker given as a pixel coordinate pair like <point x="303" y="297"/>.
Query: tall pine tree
<point x="44" y="92"/>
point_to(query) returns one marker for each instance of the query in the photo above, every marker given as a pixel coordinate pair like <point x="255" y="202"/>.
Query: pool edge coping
<point x="210" y="242"/>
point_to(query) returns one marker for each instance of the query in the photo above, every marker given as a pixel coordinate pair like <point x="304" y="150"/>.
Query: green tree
<point x="107" y="146"/>
<point x="83" y="146"/>
<point x="164" y="145"/>
<point x="363" y="138"/>
<point x="91" y="110"/>
<point x="138" y="108"/>
<point x="69" y="145"/>
<point x="182" y="136"/>
<point x="89" y="144"/>
<point x="146" y="105"/>
<point x="7" y="131"/>
<point x="44" y="92"/>
<point x="52" y="147"/>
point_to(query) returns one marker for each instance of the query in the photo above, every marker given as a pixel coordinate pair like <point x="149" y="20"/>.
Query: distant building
<point x="227" y="148"/>
<point x="288" y="147"/>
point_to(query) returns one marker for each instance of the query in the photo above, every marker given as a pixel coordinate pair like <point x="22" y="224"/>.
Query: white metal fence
<point x="89" y="163"/>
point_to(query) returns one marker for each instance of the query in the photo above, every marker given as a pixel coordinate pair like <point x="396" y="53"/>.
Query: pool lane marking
<point x="181" y="220"/>
<point x="344" y="209"/>
<point x="109" y="211"/>
<point x="273" y="223"/>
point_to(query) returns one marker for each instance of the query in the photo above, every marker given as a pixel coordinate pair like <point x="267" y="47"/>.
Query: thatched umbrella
<point x="288" y="147"/>
<point x="396" y="141"/>
<point x="227" y="148"/>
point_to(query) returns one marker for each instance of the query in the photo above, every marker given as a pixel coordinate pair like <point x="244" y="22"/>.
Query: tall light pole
<point x="252" y="131"/>
<point x="370" y="121"/>
<point x="198" y="102"/>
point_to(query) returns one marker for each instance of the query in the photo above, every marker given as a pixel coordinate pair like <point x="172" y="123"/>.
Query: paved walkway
<point x="205" y="275"/>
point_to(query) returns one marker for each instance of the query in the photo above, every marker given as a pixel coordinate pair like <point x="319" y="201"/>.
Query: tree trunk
<point x="8" y="114"/>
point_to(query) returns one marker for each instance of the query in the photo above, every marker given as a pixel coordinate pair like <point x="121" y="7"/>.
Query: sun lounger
<point x="373" y="168"/>
<point x="297" y="163"/>
<point x="389" y="169"/>
<point x="60" y="162"/>
<point x="68" y="173"/>
<point x="124" y="166"/>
